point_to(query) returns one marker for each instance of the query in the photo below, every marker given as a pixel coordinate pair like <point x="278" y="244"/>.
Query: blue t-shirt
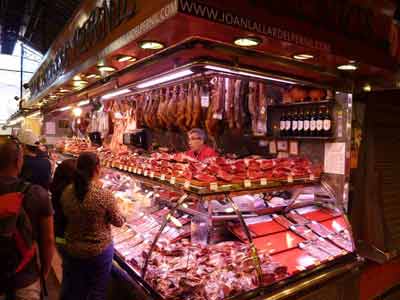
<point x="37" y="170"/>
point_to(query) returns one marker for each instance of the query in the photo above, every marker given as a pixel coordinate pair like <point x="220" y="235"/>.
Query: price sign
<point x="139" y="171"/>
<point x="290" y="179"/>
<point x="263" y="181"/>
<point x="162" y="177"/>
<point x="172" y="180"/>
<point x="205" y="101"/>
<point x="312" y="177"/>
<point x="145" y="173"/>
<point x="247" y="183"/>
<point x="130" y="169"/>
<point x="214" y="186"/>
<point x="187" y="184"/>
<point x="151" y="174"/>
<point x="135" y="170"/>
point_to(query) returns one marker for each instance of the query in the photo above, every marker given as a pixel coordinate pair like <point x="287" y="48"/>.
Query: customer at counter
<point x="36" y="169"/>
<point x="197" y="143"/>
<point x="89" y="211"/>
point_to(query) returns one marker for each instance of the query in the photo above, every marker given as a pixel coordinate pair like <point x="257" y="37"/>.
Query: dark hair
<point x="9" y="153"/>
<point x="85" y="168"/>
<point x="63" y="176"/>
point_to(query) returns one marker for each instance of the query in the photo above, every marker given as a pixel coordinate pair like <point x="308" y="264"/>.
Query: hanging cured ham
<point x="262" y="109"/>
<point x="189" y="107"/>
<point x="197" y="110"/>
<point x="252" y="105"/>
<point x="181" y="108"/>
<point x="216" y="109"/>
<point x="172" y="107"/>
<point x="229" y="102"/>
<point x="238" y="105"/>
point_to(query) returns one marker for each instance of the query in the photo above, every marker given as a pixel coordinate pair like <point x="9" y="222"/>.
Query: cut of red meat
<point x="187" y="175"/>
<point x="205" y="177"/>
<point x="223" y="175"/>
<point x="266" y="164"/>
<point x="240" y="166"/>
<point x="253" y="175"/>
<point x="253" y="165"/>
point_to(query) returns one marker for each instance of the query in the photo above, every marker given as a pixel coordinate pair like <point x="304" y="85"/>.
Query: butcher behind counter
<point x="198" y="149"/>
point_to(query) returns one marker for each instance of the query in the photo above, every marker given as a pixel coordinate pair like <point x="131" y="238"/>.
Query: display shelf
<point x="301" y="138"/>
<point x="305" y="103"/>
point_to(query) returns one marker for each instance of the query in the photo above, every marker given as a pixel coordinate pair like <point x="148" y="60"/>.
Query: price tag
<point x="282" y="146"/>
<point x="130" y="169"/>
<point x="172" y="180"/>
<point x="214" y="186"/>
<point x="139" y="171"/>
<point x="121" y="167"/>
<point x="294" y="148"/>
<point x="187" y="184"/>
<point x="162" y="177"/>
<point x="126" y="168"/>
<point x="135" y="170"/>
<point x="145" y="173"/>
<point x="312" y="177"/>
<point x="247" y="183"/>
<point x="151" y="174"/>
<point x="290" y="179"/>
<point x="205" y="101"/>
<point x="263" y="181"/>
<point x="272" y="147"/>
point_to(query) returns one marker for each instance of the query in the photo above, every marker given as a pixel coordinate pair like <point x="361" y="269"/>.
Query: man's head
<point x="11" y="158"/>
<point x="29" y="140"/>
<point x="196" y="138"/>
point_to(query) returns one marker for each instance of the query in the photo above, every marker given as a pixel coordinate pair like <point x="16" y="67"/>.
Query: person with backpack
<point x="90" y="211"/>
<point x="36" y="168"/>
<point x="26" y="229"/>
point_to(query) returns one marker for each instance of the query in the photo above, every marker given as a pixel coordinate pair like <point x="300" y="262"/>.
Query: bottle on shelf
<point x="306" y="123"/>
<point x="327" y="123"/>
<point x="313" y="123"/>
<point x="288" y="122"/>
<point x="294" y="123"/>
<point x="319" y="123"/>
<point x="282" y="125"/>
<point x="300" y="123"/>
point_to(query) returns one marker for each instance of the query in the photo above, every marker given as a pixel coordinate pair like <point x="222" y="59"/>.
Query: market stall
<point x="265" y="218"/>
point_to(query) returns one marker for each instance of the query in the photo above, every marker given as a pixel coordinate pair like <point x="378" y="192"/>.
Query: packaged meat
<point x="343" y="241"/>
<point x="328" y="247"/>
<point x="315" y="252"/>
<point x="282" y="220"/>
<point x="319" y="229"/>
<point x="299" y="219"/>
<point x="304" y="232"/>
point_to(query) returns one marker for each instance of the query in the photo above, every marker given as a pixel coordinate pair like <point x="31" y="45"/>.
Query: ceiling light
<point x="164" y="78"/>
<point x="65" y="108"/>
<point x="64" y="91"/>
<point x="90" y="76"/>
<point x="77" y="77"/>
<point x="106" y="68"/>
<point x="367" y="88"/>
<point x="77" y="112"/>
<point x="83" y="102"/>
<point x="215" y="68"/>
<point x="152" y="45"/>
<point x="125" y="58"/>
<point x="116" y="93"/>
<point x="247" y="41"/>
<point x="347" y="67"/>
<point x="303" y="56"/>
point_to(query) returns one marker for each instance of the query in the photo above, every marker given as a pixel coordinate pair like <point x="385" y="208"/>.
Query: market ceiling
<point x="189" y="36"/>
<point x="35" y="22"/>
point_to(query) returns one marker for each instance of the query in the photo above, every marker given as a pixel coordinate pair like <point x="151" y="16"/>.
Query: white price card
<point x="151" y="174"/>
<point x="130" y="169"/>
<point x="135" y="170"/>
<point x="290" y="179"/>
<point x="272" y="147"/>
<point x="312" y="177"/>
<point x="247" y="183"/>
<point x="335" y="158"/>
<point x="139" y="171"/>
<point x="294" y="148"/>
<point x="205" y="101"/>
<point x="172" y="180"/>
<point x="263" y="181"/>
<point x="145" y="173"/>
<point x="162" y="177"/>
<point x="214" y="186"/>
<point x="187" y="184"/>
